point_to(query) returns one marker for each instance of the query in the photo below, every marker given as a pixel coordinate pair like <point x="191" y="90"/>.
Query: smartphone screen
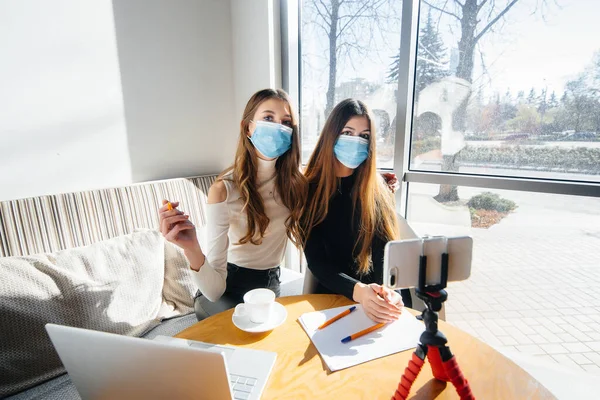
<point x="402" y="260"/>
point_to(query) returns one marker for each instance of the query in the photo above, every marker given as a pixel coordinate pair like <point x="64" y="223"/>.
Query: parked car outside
<point x="581" y="136"/>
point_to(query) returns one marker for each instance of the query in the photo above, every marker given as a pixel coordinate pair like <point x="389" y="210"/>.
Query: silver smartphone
<point x="402" y="257"/>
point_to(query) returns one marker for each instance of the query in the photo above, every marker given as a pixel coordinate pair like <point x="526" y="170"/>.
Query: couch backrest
<point x="51" y="223"/>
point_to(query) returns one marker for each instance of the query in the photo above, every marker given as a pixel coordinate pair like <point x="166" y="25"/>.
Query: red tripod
<point x="433" y="342"/>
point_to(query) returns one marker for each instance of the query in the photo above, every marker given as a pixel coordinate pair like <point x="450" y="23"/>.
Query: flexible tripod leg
<point x="445" y="368"/>
<point x="437" y="365"/>
<point x="415" y="364"/>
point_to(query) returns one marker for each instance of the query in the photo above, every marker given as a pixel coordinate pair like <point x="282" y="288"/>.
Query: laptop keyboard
<point x="242" y="386"/>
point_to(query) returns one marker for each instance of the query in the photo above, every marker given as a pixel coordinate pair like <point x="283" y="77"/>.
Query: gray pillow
<point x="113" y="286"/>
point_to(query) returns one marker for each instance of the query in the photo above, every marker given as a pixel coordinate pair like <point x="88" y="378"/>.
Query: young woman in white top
<point x="253" y="208"/>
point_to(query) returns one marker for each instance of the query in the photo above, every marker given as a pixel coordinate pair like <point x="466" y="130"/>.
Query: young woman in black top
<point x="350" y="214"/>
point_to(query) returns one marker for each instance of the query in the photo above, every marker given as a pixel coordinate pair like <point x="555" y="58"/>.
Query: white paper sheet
<point x="397" y="336"/>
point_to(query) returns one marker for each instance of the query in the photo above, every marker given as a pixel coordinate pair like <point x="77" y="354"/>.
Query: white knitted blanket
<point x="123" y="285"/>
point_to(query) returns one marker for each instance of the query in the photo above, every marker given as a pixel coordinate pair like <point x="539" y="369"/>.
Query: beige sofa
<point x="94" y="260"/>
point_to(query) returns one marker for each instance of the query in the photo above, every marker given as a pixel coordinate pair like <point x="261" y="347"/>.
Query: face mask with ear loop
<point x="271" y="139"/>
<point x="351" y="150"/>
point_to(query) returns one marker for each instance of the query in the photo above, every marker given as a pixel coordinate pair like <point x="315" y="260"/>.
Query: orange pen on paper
<point x="341" y="315"/>
<point x="362" y="333"/>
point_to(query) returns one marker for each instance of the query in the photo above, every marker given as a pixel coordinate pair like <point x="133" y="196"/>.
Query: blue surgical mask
<point x="271" y="139"/>
<point x="351" y="150"/>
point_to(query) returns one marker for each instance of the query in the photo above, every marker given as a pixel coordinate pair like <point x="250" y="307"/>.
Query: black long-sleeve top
<point x="330" y="252"/>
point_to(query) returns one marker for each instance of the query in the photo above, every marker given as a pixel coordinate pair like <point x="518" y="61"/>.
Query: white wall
<point x="62" y="126"/>
<point x="176" y="71"/>
<point x="99" y="94"/>
<point x="256" y="48"/>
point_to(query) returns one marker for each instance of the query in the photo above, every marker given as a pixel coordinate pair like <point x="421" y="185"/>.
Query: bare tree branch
<point x="486" y="68"/>
<point x="459" y="3"/>
<point x="355" y="16"/>
<point x="493" y="21"/>
<point x="343" y="28"/>
<point x="355" y="29"/>
<point x="442" y="10"/>
<point x="540" y="7"/>
<point x="320" y="25"/>
<point x="371" y="16"/>
<point x="326" y="20"/>
<point x="439" y="20"/>
<point x="480" y="6"/>
<point x="325" y="7"/>
<point x="491" y="10"/>
<point x="485" y="71"/>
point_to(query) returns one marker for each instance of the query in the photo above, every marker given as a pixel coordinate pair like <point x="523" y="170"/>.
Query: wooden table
<point x="299" y="372"/>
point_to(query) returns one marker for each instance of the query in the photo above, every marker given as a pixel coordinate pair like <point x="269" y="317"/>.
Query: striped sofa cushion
<point x="51" y="223"/>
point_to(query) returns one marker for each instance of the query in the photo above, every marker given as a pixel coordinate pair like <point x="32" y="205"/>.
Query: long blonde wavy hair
<point x="370" y="195"/>
<point x="290" y="184"/>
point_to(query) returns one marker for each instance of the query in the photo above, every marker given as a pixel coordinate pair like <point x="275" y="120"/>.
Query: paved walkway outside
<point x="535" y="280"/>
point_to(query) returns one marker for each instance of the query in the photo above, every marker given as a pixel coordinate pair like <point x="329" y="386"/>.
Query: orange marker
<point x="341" y="315"/>
<point x="362" y="333"/>
<point x="169" y="206"/>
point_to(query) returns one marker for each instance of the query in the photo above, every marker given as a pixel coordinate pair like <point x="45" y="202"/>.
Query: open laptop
<point x="109" y="366"/>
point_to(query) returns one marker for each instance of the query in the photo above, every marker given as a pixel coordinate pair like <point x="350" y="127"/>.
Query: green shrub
<point x="425" y="145"/>
<point x="578" y="159"/>
<point x="473" y="212"/>
<point x="491" y="201"/>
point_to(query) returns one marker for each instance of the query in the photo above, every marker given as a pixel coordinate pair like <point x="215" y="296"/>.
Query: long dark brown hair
<point x="290" y="184"/>
<point x="370" y="195"/>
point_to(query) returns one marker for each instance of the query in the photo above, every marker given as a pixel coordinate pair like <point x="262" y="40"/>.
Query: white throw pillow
<point x="114" y="286"/>
<point x="179" y="288"/>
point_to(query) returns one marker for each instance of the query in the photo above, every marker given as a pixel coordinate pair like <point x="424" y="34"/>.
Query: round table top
<point x="299" y="372"/>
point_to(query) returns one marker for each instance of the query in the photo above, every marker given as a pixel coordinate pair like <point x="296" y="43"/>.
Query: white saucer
<point x="278" y="317"/>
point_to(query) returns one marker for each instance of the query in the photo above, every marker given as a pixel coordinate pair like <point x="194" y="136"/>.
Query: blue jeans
<point x="239" y="281"/>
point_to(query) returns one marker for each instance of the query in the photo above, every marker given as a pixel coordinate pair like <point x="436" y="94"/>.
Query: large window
<point x="350" y="49"/>
<point x="517" y="95"/>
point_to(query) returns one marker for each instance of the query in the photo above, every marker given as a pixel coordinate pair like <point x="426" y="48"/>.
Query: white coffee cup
<point x="257" y="305"/>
